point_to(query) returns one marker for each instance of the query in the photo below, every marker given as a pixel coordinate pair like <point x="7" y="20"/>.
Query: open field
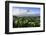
<point x="33" y="21"/>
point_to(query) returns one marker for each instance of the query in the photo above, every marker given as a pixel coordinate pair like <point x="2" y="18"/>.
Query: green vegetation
<point x="26" y="21"/>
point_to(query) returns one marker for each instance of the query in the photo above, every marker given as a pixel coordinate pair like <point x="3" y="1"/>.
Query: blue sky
<point x="26" y="10"/>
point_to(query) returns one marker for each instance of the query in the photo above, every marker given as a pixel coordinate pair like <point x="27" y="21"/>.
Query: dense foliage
<point x="26" y="21"/>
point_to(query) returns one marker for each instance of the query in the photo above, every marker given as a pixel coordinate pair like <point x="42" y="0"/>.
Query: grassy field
<point x="26" y="21"/>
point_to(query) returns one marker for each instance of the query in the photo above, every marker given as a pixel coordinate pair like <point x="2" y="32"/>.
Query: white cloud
<point x="19" y="11"/>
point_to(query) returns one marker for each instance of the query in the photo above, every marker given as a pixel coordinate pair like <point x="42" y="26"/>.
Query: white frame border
<point x="11" y="29"/>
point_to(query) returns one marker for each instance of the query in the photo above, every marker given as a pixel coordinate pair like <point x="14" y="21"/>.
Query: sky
<point x="25" y="11"/>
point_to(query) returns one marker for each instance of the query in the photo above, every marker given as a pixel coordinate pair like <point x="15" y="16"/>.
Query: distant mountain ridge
<point x="27" y="15"/>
